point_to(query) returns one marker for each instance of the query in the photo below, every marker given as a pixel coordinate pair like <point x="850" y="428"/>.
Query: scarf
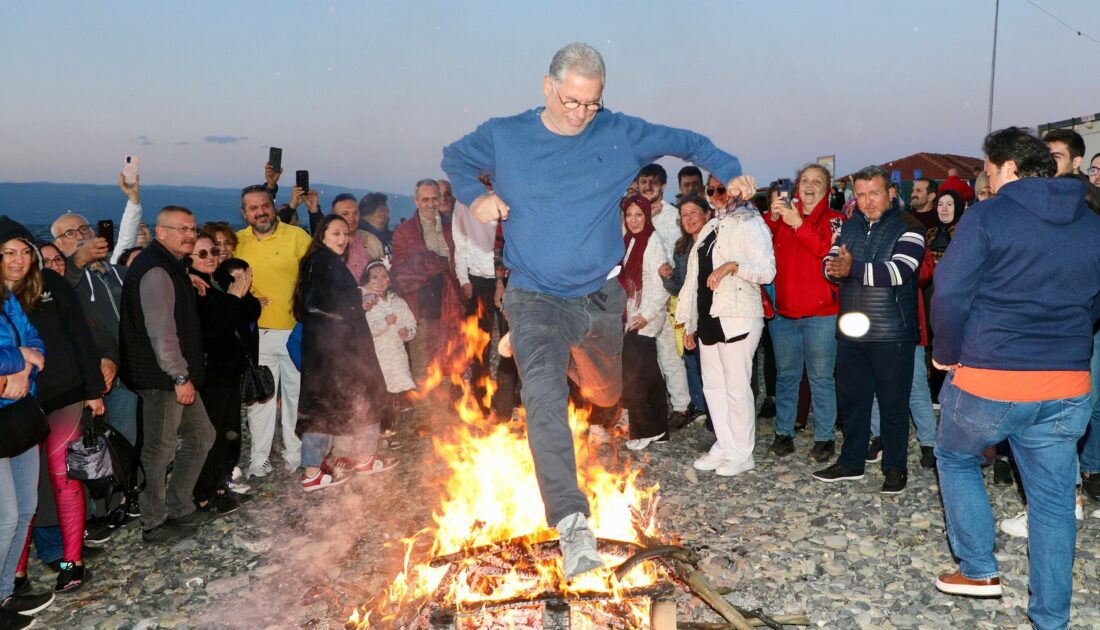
<point x="631" y="275"/>
<point x="944" y="231"/>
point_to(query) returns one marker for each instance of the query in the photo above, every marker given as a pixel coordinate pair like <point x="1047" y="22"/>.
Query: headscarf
<point x="631" y="275"/>
<point x="942" y="232"/>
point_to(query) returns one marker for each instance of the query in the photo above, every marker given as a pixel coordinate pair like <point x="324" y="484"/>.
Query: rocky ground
<point x="843" y="554"/>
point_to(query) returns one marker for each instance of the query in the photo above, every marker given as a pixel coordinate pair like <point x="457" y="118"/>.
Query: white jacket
<point x="654" y="296"/>
<point x="388" y="345"/>
<point x="744" y="238"/>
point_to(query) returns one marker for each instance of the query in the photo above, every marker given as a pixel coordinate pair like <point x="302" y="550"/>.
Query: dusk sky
<point x="366" y="94"/>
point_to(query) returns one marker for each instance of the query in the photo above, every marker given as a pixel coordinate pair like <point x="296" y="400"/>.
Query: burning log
<point x="521" y="544"/>
<point x="665" y="551"/>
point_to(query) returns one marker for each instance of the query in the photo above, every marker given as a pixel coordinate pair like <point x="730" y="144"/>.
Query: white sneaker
<point x="710" y="461"/>
<point x="578" y="546"/>
<point x="239" y="488"/>
<point x="237" y="475"/>
<point x="1096" y="514"/>
<point x="641" y="443"/>
<point x="264" y="469"/>
<point x="1015" y="526"/>
<point x="598" y="434"/>
<point x="731" y="469"/>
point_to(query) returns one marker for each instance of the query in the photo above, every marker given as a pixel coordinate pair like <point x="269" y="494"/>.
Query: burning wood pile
<point x="490" y="561"/>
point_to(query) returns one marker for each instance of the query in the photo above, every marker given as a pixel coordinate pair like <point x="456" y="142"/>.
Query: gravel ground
<point x="843" y="554"/>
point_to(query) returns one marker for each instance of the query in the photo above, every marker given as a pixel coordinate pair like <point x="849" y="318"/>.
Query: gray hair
<point x="425" y="182"/>
<point x="580" y="58"/>
<point x="867" y="173"/>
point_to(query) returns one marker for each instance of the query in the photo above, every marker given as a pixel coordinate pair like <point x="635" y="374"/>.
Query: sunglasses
<point x="202" y="254"/>
<point x="720" y="190"/>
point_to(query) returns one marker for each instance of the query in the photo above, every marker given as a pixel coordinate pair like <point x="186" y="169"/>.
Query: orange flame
<point x="492" y="495"/>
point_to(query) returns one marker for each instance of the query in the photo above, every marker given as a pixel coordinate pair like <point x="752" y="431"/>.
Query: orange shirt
<point x="1022" y="386"/>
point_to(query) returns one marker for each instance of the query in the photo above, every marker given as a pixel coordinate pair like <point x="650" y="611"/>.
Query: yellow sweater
<point x="274" y="261"/>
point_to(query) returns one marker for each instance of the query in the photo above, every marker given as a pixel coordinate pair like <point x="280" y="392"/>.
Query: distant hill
<point x="42" y="202"/>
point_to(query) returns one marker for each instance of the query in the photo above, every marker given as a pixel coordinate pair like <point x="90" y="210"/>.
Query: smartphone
<point x="786" y="186"/>
<point x="130" y="169"/>
<point x="302" y="179"/>
<point x="106" y="229"/>
<point x="275" y="159"/>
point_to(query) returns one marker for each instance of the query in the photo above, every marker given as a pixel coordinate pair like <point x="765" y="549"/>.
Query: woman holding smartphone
<point x="803" y="332"/>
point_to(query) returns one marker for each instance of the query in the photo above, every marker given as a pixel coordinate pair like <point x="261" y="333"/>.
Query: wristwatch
<point x="180" y="380"/>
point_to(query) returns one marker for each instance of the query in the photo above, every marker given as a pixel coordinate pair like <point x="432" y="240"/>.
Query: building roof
<point x="933" y="165"/>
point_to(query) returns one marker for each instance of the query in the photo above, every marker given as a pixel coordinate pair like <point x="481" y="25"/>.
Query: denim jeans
<point x="920" y="404"/>
<point x="555" y="339"/>
<point x="1090" y="446"/>
<point x="18" y="502"/>
<point x="695" y="379"/>
<point x="314" y="448"/>
<point x="1044" y="437"/>
<point x="809" y="341"/>
<point x="122" y="411"/>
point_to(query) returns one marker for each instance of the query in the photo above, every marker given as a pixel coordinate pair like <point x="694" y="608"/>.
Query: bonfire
<point x="490" y="560"/>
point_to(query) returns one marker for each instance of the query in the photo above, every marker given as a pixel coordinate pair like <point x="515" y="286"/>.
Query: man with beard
<point x="374" y="219"/>
<point x="273" y="249"/>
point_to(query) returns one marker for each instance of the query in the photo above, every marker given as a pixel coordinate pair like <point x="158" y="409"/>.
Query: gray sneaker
<point x="578" y="546"/>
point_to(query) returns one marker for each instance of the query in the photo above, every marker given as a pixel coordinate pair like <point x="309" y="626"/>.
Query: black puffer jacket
<point x="892" y="310"/>
<point x="220" y="314"/>
<point x="72" y="373"/>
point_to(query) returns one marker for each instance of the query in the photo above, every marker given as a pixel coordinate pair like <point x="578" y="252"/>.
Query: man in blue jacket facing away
<point x="558" y="173"/>
<point x="1016" y="297"/>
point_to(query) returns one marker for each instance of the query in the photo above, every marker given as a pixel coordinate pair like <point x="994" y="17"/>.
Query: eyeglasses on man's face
<point x="572" y="104"/>
<point x="186" y="230"/>
<point x="1093" y="170"/>
<point x="83" y="230"/>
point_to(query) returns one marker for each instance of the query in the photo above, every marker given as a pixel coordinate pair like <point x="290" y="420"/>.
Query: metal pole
<point x="993" y="69"/>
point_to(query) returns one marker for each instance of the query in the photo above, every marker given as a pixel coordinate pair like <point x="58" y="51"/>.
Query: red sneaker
<point x="374" y="465"/>
<point x="323" y="479"/>
<point x="958" y="584"/>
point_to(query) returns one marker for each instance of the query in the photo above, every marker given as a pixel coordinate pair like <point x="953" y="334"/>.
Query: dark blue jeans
<point x="555" y="339"/>
<point x="865" y="371"/>
<point x="1044" y="437"/>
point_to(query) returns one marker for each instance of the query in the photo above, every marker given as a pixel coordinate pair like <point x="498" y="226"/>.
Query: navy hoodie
<point x="1019" y="288"/>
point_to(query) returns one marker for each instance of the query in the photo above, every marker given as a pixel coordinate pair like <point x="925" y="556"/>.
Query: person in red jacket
<point x="803" y="332"/>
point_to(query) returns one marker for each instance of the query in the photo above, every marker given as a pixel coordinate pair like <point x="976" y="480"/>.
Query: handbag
<point x="257" y="382"/>
<point x="89" y="458"/>
<point x="22" y="422"/>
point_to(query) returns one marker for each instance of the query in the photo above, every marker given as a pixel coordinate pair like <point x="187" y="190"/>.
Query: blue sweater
<point x="563" y="234"/>
<point x="1019" y="288"/>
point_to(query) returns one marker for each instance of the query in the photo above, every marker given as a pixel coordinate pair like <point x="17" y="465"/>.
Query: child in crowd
<point x="392" y="324"/>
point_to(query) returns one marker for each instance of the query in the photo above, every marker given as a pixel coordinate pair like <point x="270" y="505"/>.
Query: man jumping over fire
<point x="558" y="173"/>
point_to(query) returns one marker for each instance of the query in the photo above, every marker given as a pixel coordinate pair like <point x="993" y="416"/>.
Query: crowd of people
<point x="856" y="305"/>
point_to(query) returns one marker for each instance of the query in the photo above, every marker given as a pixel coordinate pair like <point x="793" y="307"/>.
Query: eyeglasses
<point x="571" y="104"/>
<point x="203" y="254"/>
<point x="84" y="230"/>
<point x="55" y="261"/>
<point x="1093" y="170"/>
<point x="718" y="190"/>
<point x="182" y="229"/>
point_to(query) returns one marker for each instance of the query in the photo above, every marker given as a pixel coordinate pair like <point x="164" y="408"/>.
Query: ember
<point x="491" y="561"/>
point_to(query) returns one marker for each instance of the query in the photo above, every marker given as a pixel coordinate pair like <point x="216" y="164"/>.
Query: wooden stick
<point x="664" y="551"/>
<point x="699" y="585"/>
<point x="787" y="620"/>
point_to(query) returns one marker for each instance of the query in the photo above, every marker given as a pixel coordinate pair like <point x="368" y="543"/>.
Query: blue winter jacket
<point x="23" y="334"/>
<point x="1019" y="288"/>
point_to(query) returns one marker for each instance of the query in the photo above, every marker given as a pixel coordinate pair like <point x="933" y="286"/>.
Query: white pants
<point x="727" y="374"/>
<point x="672" y="366"/>
<point x="262" y="415"/>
